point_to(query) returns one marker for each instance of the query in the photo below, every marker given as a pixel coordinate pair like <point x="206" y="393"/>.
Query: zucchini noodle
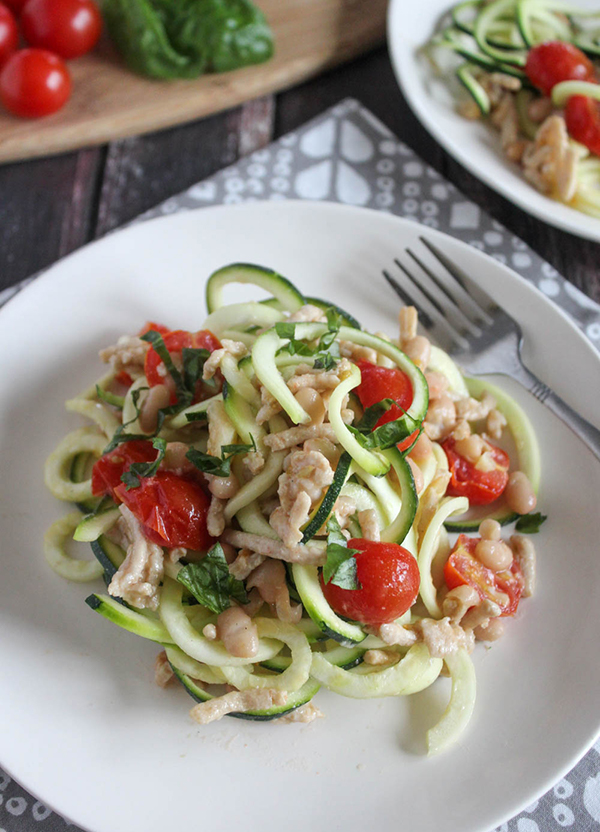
<point x="250" y="534"/>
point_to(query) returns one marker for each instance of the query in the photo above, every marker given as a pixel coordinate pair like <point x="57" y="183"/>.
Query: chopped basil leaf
<point x="131" y="477"/>
<point x="388" y="435"/>
<point x="156" y="340"/>
<point x="530" y="523"/>
<point x="218" y="467"/>
<point x="193" y="366"/>
<point x="121" y="435"/>
<point x="340" y="566"/>
<point x="285" y="330"/>
<point x="325" y="362"/>
<point x="211" y="582"/>
<point x="373" y="414"/>
<point x="110" y="398"/>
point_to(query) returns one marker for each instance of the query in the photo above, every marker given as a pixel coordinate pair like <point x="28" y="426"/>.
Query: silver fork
<point x="470" y="327"/>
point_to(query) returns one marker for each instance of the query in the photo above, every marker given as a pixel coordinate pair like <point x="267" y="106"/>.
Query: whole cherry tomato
<point x="15" y="5"/>
<point x="582" y="116"/>
<point x="462" y="568"/>
<point x="389" y="578"/>
<point x="480" y="487"/>
<point x="550" y="63"/>
<point x="9" y="33"/>
<point x="379" y="383"/>
<point x="171" y="508"/>
<point x="69" y="28"/>
<point x="176" y="341"/>
<point x="34" y="83"/>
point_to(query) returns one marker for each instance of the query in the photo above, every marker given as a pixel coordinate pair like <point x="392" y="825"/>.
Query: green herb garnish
<point x="211" y="582"/>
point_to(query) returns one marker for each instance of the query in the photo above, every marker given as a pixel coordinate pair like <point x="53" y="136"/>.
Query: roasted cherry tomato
<point x="379" y="383"/>
<point x="462" y="568"/>
<point x="550" y="63"/>
<point x="34" y="83"/>
<point x="106" y="473"/>
<point x="15" y="5"/>
<point x="156" y="327"/>
<point x="389" y="578"/>
<point x="480" y="487"/>
<point x="582" y="116"/>
<point x="175" y="342"/>
<point x="171" y="508"/>
<point x="69" y="28"/>
<point x="9" y="33"/>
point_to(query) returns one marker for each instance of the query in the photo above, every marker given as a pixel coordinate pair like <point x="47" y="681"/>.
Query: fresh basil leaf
<point x="233" y="450"/>
<point x="156" y="340"/>
<point x="530" y="523"/>
<point x="388" y="435"/>
<point x="211" y="582"/>
<point x="218" y="467"/>
<point x="334" y="319"/>
<point x="110" y="398"/>
<point x="326" y="361"/>
<point x="340" y="566"/>
<point x="137" y="470"/>
<point x="121" y="435"/>
<point x="373" y="414"/>
<point x="199" y="416"/>
<point x="285" y="330"/>
<point x="193" y="366"/>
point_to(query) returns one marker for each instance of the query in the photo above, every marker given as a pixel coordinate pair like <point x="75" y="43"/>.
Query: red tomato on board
<point x="550" y="63"/>
<point x="9" y="33"/>
<point x="172" y="510"/>
<point x="463" y="568"/>
<point x="69" y="28"/>
<point x="34" y="83"/>
<point x="175" y="342"/>
<point x="582" y="116"/>
<point x="107" y="471"/>
<point x="480" y="487"/>
<point x="389" y="578"/>
<point x="379" y="383"/>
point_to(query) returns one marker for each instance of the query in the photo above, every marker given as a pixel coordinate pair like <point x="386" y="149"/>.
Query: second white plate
<point x="474" y="144"/>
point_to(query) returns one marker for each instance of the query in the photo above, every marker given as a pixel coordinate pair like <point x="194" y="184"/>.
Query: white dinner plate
<point x="473" y="143"/>
<point x="82" y="724"/>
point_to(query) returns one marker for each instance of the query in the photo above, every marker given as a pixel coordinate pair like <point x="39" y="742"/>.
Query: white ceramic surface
<point x="82" y="724"/>
<point x="473" y="144"/>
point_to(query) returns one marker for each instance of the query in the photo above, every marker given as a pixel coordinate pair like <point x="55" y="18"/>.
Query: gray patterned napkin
<point x="347" y="155"/>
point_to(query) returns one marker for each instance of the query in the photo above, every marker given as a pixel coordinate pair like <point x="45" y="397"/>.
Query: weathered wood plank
<point x="144" y="171"/>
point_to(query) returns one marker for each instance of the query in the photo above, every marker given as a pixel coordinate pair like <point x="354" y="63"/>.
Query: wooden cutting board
<point x="110" y="102"/>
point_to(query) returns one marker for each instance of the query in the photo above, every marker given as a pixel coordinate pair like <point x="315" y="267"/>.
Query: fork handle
<point x="544" y="394"/>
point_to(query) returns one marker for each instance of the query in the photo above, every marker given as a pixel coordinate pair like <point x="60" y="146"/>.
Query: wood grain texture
<point x="110" y="102"/>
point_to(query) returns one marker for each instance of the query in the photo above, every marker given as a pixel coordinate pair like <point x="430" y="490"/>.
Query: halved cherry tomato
<point x="582" y="116"/>
<point x="175" y="342"/>
<point x="379" y="383"/>
<point x="9" y="33"/>
<point x="550" y="63"/>
<point x="69" y="28"/>
<point x="156" y="327"/>
<point x="389" y="578"/>
<point x="480" y="487"/>
<point x="462" y="568"/>
<point x="34" y="83"/>
<point x="171" y="508"/>
<point x="124" y="378"/>
<point x="107" y="471"/>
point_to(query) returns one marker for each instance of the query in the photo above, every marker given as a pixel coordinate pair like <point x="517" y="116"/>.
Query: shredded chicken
<point x="257" y="699"/>
<point x="357" y="352"/>
<point x="288" y="524"/>
<point x="441" y="418"/>
<point x="270" y="580"/>
<point x="369" y="524"/>
<point x="505" y="117"/>
<point x="270" y="407"/>
<point x="443" y="637"/>
<point x="175" y="554"/>
<point x="472" y="410"/>
<point x="480" y="615"/>
<point x="245" y="563"/>
<point x="137" y="580"/>
<point x="128" y="354"/>
<point x="550" y="163"/>
<point x="396" y="634"/>
<point x="213" y="363"/>
<point x="305" y="714"/>
<point x="409" y="321"/>
<point x="295" y="436"/>
<point x="307" y="471"/>
<point x="304" y="553"/>
<point x="307" y="314"/>
<point x="524" y="552"/>
<point x="215" y="517"/>
<point x="163" y="672"/>
<point x="254" y="462"/>
<point x="380" y="658"/>
<point x="306" y="376"/>
<point x="344" y="508"/>
<point x="458" y="601"/>
<point x="495" y="424"/>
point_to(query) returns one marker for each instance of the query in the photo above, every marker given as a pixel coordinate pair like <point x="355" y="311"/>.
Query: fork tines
<point x="444" y="305"/>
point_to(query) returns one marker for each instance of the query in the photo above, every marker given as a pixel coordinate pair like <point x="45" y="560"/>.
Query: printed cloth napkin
<point x="347" y="155"/>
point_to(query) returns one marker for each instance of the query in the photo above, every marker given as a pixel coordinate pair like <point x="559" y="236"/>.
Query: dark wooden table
<point x="50" y="207"/>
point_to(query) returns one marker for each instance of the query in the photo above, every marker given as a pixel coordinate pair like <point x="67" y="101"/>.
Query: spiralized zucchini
<point x="296" y="471"/>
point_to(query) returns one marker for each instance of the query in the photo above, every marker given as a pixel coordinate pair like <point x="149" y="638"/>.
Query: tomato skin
<point x="107" y="471"/>
<point x="462" y="568"/>
<point x="34" y="83"/>
<point x="480" y="487"/>
<point x="379" y="383"/>
<point x="389" y="578"/>
<point x="175" y="341"/>
<point x="582" y="115"/>
<point x="9" y="34"/>
<point x="15" y="5"/>
<point x="69" y="28"/>
<point x="172" y="510"/>
<point x="550" y="63"/>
